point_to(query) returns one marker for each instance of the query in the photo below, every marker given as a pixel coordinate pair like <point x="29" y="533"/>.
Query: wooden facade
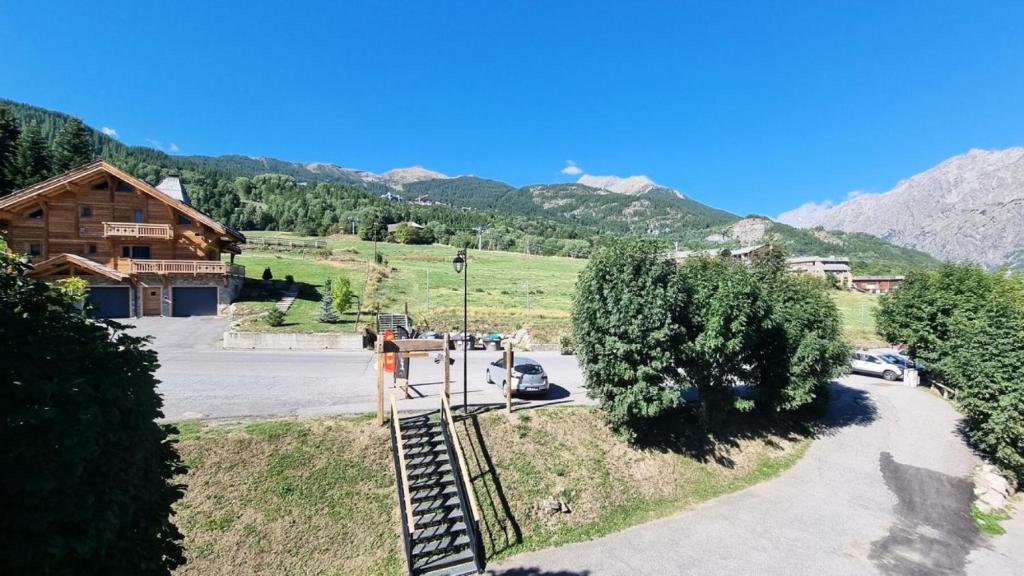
<point x="130" y="230"/>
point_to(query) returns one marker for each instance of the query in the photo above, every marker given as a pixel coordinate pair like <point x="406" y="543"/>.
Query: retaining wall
<point x="284" y="341"/>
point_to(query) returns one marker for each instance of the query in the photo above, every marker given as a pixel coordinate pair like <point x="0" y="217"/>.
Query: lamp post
<point x="461" y="263"/>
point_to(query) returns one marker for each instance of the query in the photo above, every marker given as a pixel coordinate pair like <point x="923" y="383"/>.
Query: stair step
<point x="435" y="492"/>
<point x="424" y="506"/>
<point x="426" y="460"/>
<point x="424" y="450"/>
<point x="421" y="433"/>
<point x="451" y="563"/>
<point x="432" y="517"/>
<point x="439" y="469"/>
<point x="422" y="440"/>
<point x="438" y="530"/>
<point x="440" y="546"/>
<point x="431" y="481"/>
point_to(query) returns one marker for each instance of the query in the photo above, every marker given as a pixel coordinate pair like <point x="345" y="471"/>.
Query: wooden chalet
<point x="144" y="250"/>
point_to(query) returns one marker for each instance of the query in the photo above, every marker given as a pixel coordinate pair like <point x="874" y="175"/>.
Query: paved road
<point x="883" y="492"/>
<point x="198" y="379"/>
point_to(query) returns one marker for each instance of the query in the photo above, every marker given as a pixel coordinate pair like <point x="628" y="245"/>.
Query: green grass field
<point x="506" y="290"/>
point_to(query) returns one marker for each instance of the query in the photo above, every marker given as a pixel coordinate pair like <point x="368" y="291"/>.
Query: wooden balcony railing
<point x="133" y="230"/>
<point x="182" y="267"/>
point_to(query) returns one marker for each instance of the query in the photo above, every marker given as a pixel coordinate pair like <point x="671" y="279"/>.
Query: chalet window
<point x="86" y="210"/>
<point x="100" y="185"/>
<point x="37" y="215"/>
<point x="35" y="249"/>
<point x="91" y="249"/>
<point x="136" y="252"/>
<point x="138" y="216"/>
<point x="182" y="219"/>
<point x="124" y="187"/>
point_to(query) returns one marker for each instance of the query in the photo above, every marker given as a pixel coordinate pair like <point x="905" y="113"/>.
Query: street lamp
<point x="461" y="262"/>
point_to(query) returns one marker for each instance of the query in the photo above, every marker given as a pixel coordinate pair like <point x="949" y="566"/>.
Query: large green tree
<point x="88" y="474"/>
<point x="627" y="325"/>
<point x="72" y="146"/>
<point x="32" y="157"/>
<point x="9" y="133"/>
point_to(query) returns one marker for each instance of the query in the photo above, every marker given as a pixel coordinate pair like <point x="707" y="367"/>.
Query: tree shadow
<point x="680" y="431"/>
<point x="498" y="527"/>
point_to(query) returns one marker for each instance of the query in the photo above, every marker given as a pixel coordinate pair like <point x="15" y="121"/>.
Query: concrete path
<point x="883" y="492"/>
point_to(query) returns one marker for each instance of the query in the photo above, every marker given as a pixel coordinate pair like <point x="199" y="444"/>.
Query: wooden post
<point x="508" y="376"/>
<point x="380" y="382"/>
<point x="446" y="387"/>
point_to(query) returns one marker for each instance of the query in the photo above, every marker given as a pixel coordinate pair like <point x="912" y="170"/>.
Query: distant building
<point x="837" y="267"/>
<point x="876" y="284"/>
<point x="746" y="254"/>
<point x="392" y="197"/>
<point x="392" y="228"/>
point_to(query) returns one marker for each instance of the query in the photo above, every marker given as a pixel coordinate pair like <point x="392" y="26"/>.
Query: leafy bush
<point x="342" y="293"/>
<point x="289" y="280"/>
<point x="74" y="288"/>
<point x="274" y="317"/>
<point x="267" y="274"/>
<point x="87" y="472"/>
<point x="967" y="324"/>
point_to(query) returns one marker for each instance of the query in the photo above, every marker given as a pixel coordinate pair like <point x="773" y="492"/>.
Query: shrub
<point x="87" y="482"/>
<point x="274" y="317"/>
<point x="289" y="280"/>
<point x="73" y="288"/>
<point x="267" y="274"/>
<point x="342" y="294"/>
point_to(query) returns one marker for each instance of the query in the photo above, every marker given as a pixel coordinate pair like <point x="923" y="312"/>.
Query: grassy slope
<point x="858" y="311"/>
<point x="498" y="286"/>
<point x="318" y="497"/>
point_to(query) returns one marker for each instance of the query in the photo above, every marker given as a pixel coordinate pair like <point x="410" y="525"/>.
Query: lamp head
<point x="459" y="261"/>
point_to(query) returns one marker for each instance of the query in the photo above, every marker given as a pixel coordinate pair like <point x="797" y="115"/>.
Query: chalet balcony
<point x="133" y="230"/>
<point x="180" y="267"/>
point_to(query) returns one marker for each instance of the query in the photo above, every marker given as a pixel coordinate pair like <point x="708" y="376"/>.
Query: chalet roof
<point x="56" y="184"/>
<point x="410" y="224"/>
<point x="830" y="267"/>
<point x="51" y="265"/>
<point x="173" y="187"/>
<point x="743" y="251"/>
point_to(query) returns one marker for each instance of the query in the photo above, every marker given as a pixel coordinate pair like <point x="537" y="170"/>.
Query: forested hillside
<point x="318" y="199"/>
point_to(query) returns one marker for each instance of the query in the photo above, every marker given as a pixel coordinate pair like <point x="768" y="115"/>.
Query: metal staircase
<point x="437" y="503"/>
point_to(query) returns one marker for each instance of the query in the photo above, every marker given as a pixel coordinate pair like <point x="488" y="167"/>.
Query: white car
<point x="528" y="376"/>
<point x="876" y="364"/>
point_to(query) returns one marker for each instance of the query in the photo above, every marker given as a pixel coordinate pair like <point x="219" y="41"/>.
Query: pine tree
<point x="32" y="161"/>
<point x="73" y="146"/>
<point x="9" y="133"/>
<point x="327" y="313"/>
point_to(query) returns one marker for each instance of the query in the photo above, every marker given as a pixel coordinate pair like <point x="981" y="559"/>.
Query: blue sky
<point x="752" y="107"/>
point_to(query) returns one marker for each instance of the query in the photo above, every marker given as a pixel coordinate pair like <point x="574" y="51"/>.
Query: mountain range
<point x="968" y="208"/>
<point x="586" y="209"/>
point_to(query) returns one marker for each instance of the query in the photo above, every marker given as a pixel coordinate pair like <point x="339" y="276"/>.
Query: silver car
<point x="528" y="376"/>
<point x="876" y="364"/>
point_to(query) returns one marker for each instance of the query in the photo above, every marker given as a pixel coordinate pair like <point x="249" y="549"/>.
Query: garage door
<point x="109" y="302"/>
<point x="194" y="301"/>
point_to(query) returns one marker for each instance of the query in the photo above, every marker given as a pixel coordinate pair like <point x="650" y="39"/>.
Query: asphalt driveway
<point x="884" y="491"/>
<point x="201" y="380"/>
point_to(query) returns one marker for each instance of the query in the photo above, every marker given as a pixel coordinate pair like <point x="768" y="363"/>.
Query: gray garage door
<point x="109" y="302"/>
<point x="195" y="301"/>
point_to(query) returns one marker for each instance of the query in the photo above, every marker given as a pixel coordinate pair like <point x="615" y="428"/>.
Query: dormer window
<point x="124" y="187"/>
<point x="100" y="185"/>
<point x="185" y="220"/>
<point x="36" y="215"/>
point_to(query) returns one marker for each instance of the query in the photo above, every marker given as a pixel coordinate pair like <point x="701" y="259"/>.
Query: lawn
<point x="506" y="290"/>
<point x="317" y="496"/>
<point x="858" y="311"/>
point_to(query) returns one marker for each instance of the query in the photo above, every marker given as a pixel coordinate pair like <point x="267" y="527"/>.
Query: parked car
<point x="528" y="376"/>
<point x="877" y="365"/>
